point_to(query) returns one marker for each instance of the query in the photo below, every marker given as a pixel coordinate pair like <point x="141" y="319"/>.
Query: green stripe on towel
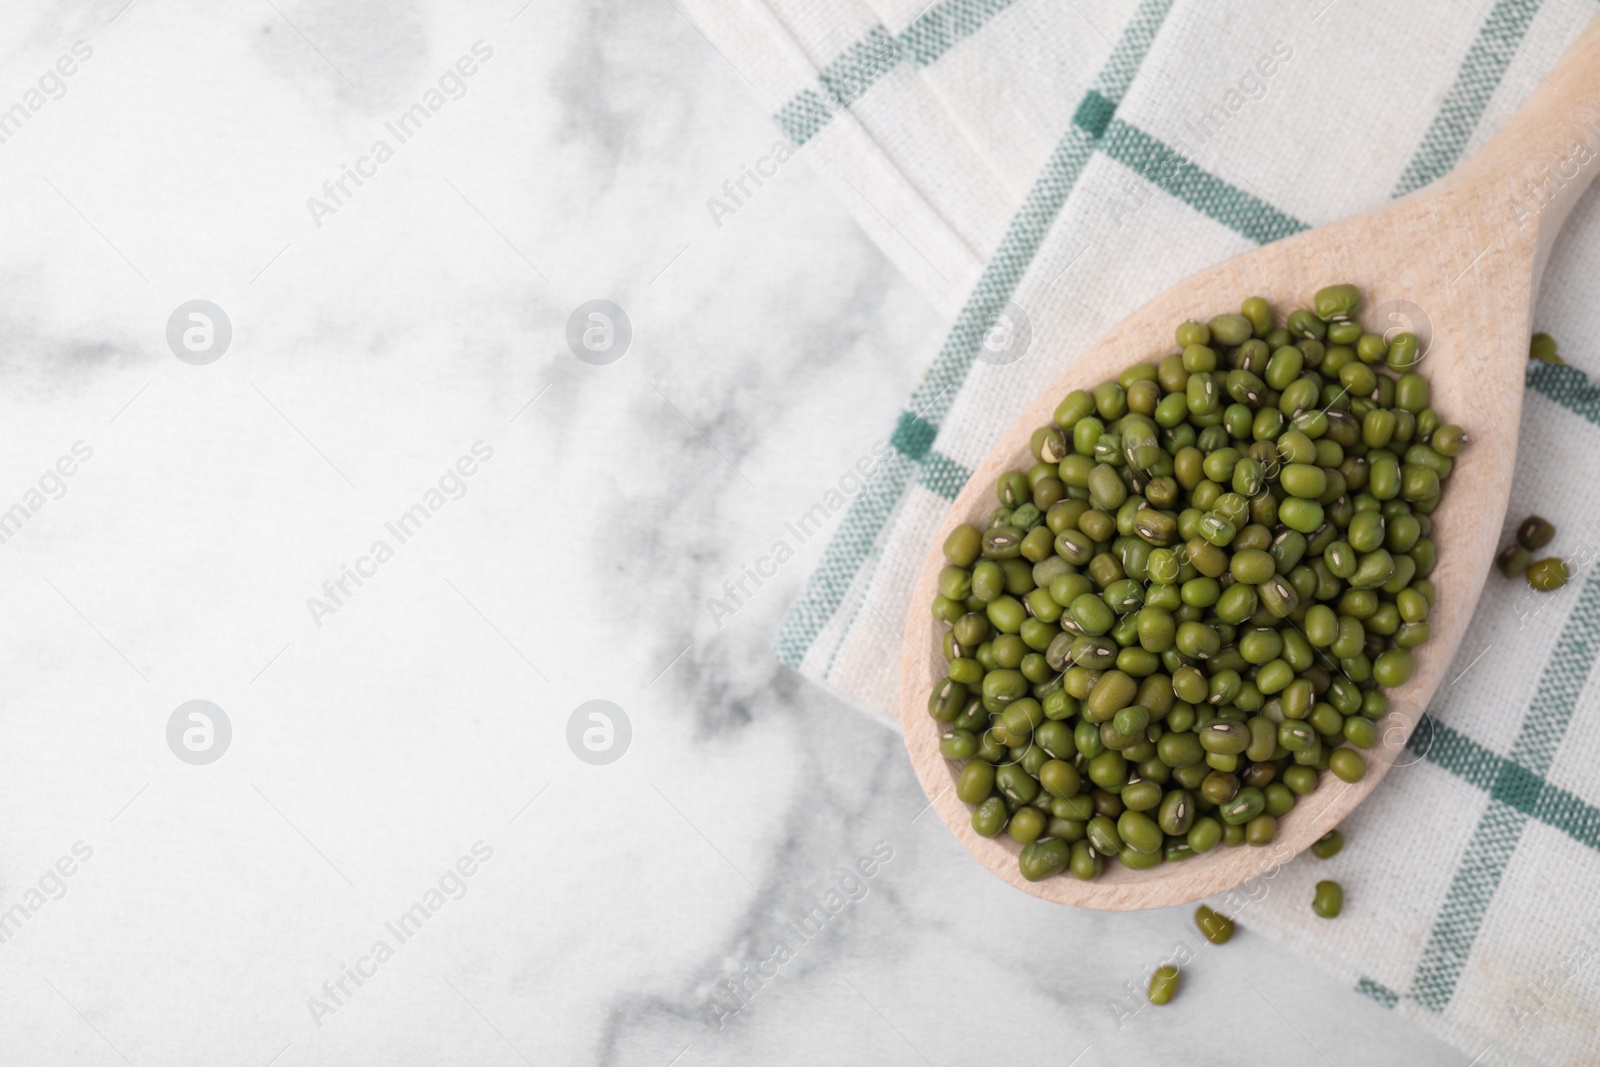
<point x="1517" y="791"/>
<point x="1378" y="992"/>
<point x="1512" y="784"/>
<point x="848" y="76"/>
<point x="1171" y="171"/>
<point x="864" y="523"/>
<point x="1475" y="84"/>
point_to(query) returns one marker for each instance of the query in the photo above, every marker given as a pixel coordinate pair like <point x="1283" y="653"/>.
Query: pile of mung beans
<point x="1183" y="611"/>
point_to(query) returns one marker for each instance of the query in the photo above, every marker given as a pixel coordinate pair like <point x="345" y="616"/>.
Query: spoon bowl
<point x="1459" y="260"/>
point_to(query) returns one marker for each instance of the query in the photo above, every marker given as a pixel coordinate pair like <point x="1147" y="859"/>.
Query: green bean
<point x="1393" y="668"/>
<point x="1543" y="348"/>
<point x="1245" y="805"/>
<point x="1304" y="324"/>
<point x="958" y="744"/>
<point x="1026" y="825"/>
<point x="1231" y="330"/>
<point x="1085" y="863"/>
<point x="1360" y="733"/>
<point x="1139" y="832"/>
<point x="975" y="782"/>
<point x="1016" y="783"/>
<point x="1402" y="354"/>
<point x="1204" y="835"/>
<point x="1534" y="533"/>
<point x="1002" y="542"/>
<point x="946" y="700"/>
<point x="962" y="546"/>
<point x="1102" y="834"/>
<point x="1347" y="764"/>
<point x="1328" y="900"/>
<point x="1336" y="302"/>
<point x="1548" y="574"/>
<point x="989" y="817"/>
<point x="1260" y="830"/>
<point x="1199" y="357"/>
<point x="1226" y="737"/>
<point x="1328" y="845"/>
<point x="1280" y="798"/>
<point x="1042" y="859"/>
<point x="1163" y="985"/>
<point x="1300" y="780"/>
<point x="1449" y="439"/>
<point x="1215" y="927"/>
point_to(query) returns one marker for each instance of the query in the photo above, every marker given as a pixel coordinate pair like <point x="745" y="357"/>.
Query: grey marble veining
<point x="755" y="831"/>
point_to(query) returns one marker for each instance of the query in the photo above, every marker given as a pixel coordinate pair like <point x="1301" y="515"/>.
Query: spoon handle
<point x="1539" y="163"/>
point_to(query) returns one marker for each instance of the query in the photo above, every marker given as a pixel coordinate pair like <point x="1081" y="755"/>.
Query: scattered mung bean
<point x="1543" y="347"/>
<point x="1328" y="900"/>
<point x="1217" y="928"/>
<point x="1550" y="574"/>
<point x="1513" y="560"/>
<point x="1534" y="532"/>
<point x="1163" y="984"/>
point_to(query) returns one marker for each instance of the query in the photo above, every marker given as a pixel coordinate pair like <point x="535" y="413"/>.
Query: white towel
<point x="1074" y="160"/>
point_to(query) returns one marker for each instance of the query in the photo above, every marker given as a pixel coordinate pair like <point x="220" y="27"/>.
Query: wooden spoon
<point x="1465" y="255"/>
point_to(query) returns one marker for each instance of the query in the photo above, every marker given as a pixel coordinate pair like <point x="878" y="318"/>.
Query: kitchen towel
<point x="1040" y="169"/>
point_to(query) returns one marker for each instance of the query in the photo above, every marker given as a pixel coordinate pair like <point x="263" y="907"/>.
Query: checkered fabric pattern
<point x="1072" y="161"/>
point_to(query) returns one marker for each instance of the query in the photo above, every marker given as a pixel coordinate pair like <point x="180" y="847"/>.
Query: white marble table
<point x="398" y="859"/>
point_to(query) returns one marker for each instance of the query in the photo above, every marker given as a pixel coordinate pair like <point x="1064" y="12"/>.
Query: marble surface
<point x="403" y="748"/>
